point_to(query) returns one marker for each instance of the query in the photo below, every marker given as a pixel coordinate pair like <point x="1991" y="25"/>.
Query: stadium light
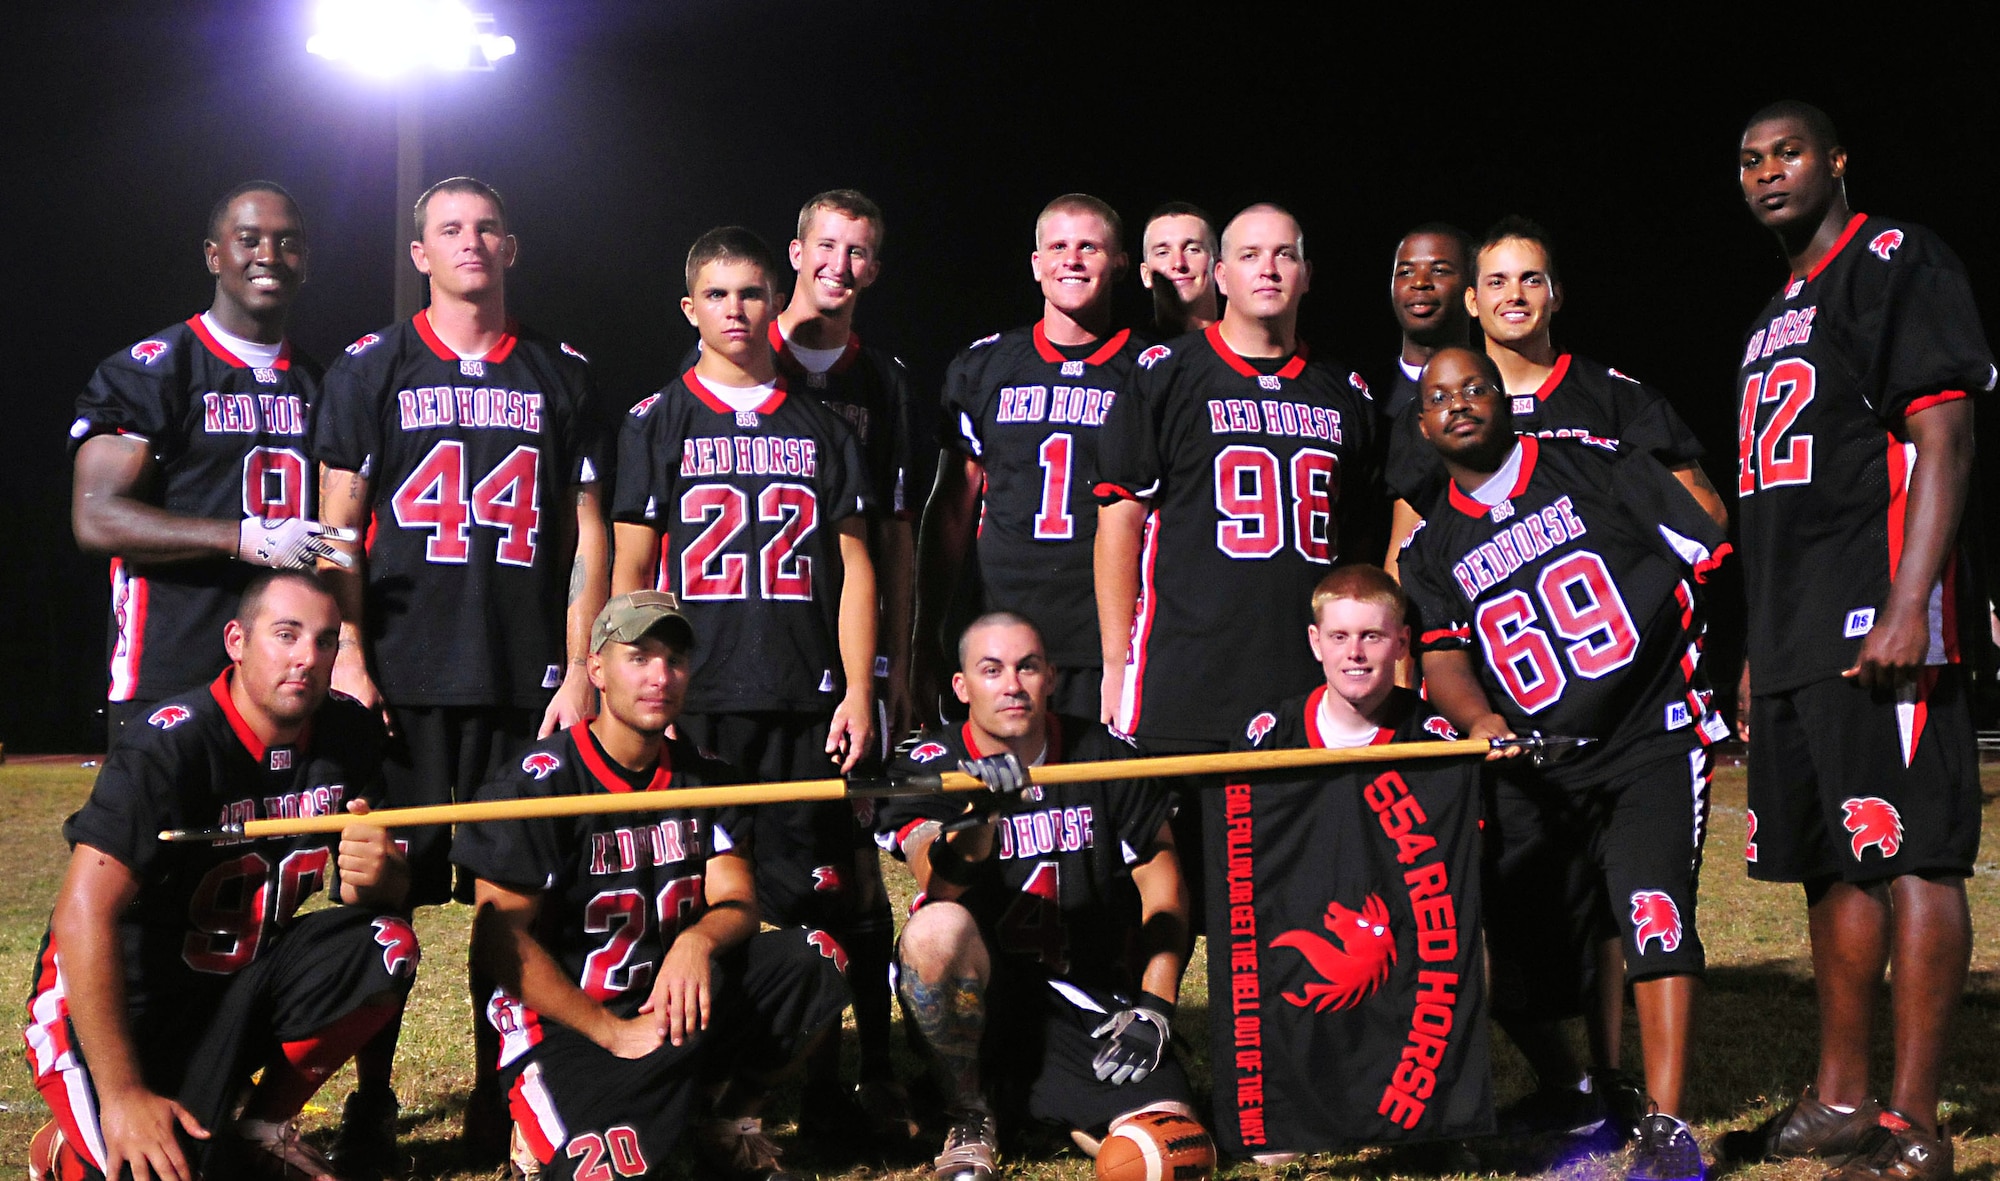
<point x="402" y="40"/>
<point x="387" y="38"/>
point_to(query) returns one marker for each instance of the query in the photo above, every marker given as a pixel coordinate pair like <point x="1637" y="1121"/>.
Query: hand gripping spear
<point x="1540" y="747"/>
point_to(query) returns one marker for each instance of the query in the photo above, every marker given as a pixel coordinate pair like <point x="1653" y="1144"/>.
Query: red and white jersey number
<point x="1054" y="521"/>
<point x="1256" y="495"/>
<point x="708" y="570"/>
<point x="1583" y="607"/>
<point x="616" y="1153"/>
<point x="508" y="498"/>
<point x="1032" y="925"/>
<point x="274" y="483"/>
<point x="610" y="970"/>
<point x="1775" y="456"/>
<point x="231" y="906"/>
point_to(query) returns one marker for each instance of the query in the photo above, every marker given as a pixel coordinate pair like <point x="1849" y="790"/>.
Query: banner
<point x="1346" y="991"/>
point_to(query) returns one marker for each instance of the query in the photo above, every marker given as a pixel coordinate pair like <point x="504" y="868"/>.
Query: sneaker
<point x="1625" y="1104"/>
<point x="365" y="1149"/>
<point x="971" y="1148"/>
<point x="50" y="1158"/>
<point x="1804" y="1127"/>
<point x="1900" y="1151"/>
<point x="1552" y="1109"/>
<point x="272" y="1148"/>
<point x="521" y="1162"/>
<point x="736" y="1149"/>
<point x="1665" y="1151"/>
<point x="886" y="1106"/>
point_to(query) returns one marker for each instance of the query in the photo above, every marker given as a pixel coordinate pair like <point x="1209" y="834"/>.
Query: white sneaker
<point x="273" y="1149"/>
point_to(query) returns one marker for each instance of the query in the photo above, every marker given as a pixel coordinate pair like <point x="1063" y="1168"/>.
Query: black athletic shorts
<point x="1186" y="820"/>
<point x="1639" y="837"/>
<point x="203" y="1049"/>
<point x="804" y="853"/>
<point x="587" y="1113"/>
<point x="1037" y="1052"/>
<point x="1851" y="783"/>
<point x="443" y="754"/>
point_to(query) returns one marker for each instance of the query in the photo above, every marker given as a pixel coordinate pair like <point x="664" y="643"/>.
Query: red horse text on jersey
<point x="1048" y="830"/>
<point x="1081" y="405"/>
<point x="1268" y="416"/>
<point x="469" y="406"/>
<point x="749" y="455"/>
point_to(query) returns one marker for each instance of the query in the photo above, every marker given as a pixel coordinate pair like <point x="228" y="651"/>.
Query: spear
<point x="876" y="787"/>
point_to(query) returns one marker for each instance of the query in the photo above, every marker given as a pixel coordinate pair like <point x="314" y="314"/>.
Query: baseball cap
<point x="629" y="617"/>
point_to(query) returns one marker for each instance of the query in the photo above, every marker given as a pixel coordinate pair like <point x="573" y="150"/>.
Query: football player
<point x="631" y="977"/>
<point x="461" y="442"/>
<point x="1553" y="586"/>
<point x="1021" y="416"/>
<point x="189" y="456"/>
<point x="1177" y="264"/>
<point x="172" y="971"/>
<point x="1855" y="446"/>
<point x="1427" y="282"/>
<point x="1027" y="913"/>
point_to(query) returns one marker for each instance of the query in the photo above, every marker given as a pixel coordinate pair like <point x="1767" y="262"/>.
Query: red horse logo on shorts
<point x="1354" y="967"/>
<point x="1654" y="916"/>
<point x="399" y="946"/>
<point x="1873" y="821"/>
<point x="829" y="947"/>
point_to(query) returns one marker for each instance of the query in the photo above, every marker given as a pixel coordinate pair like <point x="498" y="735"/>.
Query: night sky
<point x="623" y="129"/>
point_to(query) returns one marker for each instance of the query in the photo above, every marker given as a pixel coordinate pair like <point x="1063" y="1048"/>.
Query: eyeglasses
<point x="1476" y="392"/>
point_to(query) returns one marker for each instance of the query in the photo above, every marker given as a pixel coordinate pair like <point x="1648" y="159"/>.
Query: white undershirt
<point x="1341" y="735"/>
<point x="1413" y="372"/>
<point x="742" y="397"/>
<point x="1501" y="482"/>
<point x="814" y="360"/>
<point x="257" y="356"/>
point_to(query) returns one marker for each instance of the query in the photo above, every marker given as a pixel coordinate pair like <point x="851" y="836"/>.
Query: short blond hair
<point x="1363" y="584"/>
<point x="1084" y="203"/>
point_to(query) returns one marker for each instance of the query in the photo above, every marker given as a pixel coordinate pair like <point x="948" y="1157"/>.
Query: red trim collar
<point x="1554" y="379"/>
<point x="1054" y="736"/>
<point x="1290" y="369"/>
<point x="1315" y="737"/>
<point x="1846" y="235"/>
<point x="1048" y="352"/>
<point x="709" y="399"/>
<point x="790" y="362"/>
<point x="1530" y="448"/>
<point x="215" y="346"/>
<point x="445" y="352"/>
<point x="219" y="689"/>
<point x="586" y="749"/>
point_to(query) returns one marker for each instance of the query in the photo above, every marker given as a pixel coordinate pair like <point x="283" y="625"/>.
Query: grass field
<point x="1755" y="1038"/>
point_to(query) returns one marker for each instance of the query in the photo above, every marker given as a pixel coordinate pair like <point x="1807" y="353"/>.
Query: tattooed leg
<point x="943" y="978"/>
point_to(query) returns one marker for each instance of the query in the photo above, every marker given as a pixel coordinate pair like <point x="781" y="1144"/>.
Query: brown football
<point x="1156" y="1146"/>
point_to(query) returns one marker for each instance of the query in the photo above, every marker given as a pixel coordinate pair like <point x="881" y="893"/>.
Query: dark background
<point x="623" y="128"/>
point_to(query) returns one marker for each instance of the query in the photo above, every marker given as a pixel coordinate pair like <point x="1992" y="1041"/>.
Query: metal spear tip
<point x="226" y="832"/>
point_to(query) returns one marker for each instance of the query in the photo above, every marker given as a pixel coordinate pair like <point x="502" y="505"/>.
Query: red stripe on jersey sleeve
<point x="1107" y="489"/>
<point x="1446" y="633"/>
<point x="1919" y="405"/>
<point x="1708" y="565"/>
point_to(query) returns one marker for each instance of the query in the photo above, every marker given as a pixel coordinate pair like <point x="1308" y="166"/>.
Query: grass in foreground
<point x="1755" y="1033"/>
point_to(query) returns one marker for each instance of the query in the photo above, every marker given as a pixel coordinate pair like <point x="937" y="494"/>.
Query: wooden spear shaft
<point x="1231" y="762"/>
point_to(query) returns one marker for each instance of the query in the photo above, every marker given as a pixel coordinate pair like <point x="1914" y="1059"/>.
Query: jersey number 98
<point x="1249" y="501"/>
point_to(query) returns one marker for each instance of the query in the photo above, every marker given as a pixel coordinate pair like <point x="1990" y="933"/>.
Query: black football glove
<point x="1136" y="1040"/>
<point x="1003" y="774"/>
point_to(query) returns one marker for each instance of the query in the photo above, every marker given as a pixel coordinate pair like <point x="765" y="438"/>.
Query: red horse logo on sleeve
<point x="1353" y="964"/>
<point x="1873" y="821"/>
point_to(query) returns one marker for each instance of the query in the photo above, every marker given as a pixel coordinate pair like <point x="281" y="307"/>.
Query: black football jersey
<point x="1057" y="894"/>
<point x="1030" y="412"/>
<point x="1573" y="597"/>
<point x="206" y="908"/>
<point x="228" y="439"/>
<point x="1580" y="399"/>
<point x="1402" y="393"/>
<point x="747" y="502"/>
<point x="1883" y="328"/>
<point x="1294" y="724"/>
<point x="1243" y="465"/>
<point x="465" y="460"/>
<point x="616" y="887"/>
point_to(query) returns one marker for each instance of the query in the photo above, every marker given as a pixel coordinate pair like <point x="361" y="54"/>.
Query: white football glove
<point x="292" y="542"/>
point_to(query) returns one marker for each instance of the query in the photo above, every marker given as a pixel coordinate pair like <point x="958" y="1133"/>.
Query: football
<point x="1156" y="1146"/>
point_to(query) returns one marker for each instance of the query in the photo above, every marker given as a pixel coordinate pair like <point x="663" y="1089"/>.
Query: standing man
<point x="189" y="456"/>
<point x="460" y="442"/>
<point x="173" y="971"/>
<point x="1056" y="923"/>
<point x="1427" y="284"/>
<point x="627" y="983"/>
<point x="1855" y="448"/>
<point x="1177" y="264"/>
<point x="1022" y="412"/>
<point x="1553" y="587"/>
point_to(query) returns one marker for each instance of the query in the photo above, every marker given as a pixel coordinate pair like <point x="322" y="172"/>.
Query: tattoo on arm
<point x="576" y="578"/>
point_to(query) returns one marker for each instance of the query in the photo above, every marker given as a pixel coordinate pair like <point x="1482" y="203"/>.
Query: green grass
<point x="1755" y="1036"/>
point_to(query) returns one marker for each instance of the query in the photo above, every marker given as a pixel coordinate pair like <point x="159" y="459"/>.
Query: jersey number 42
<point x="1774" y="457"/>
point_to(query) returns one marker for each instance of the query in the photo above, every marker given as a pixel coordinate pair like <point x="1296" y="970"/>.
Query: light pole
<point x="399" y="41"/>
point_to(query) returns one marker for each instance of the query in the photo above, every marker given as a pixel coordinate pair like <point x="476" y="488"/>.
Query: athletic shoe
<point x="1665" y="1151"/>
<point x="365" y="1149"/>
<point x="1897" y="1150"/>
<point x="736" y="1149"/>
<point x="1804" y="1127"/>
<point x="50" y="1158"/>
<point x="1552" y="1109"/>
<point x="971" y="1148"/>
<point x="272" y="1148"/>
<point x="1625" y="1105"/>
<point x="521" y="1162"/>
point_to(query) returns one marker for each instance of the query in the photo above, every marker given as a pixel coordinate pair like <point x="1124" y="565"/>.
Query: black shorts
<point x="442" y="754"/>
<point x="1638" y="839"/>
<point x="203" y="1049"/>
<point x="1037" y="1052"/>
<point x="1848" y="782"/>
<point x="588" y="1113"/>
<point x="1186" y="820"/>
<point x="804" y="852"/>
